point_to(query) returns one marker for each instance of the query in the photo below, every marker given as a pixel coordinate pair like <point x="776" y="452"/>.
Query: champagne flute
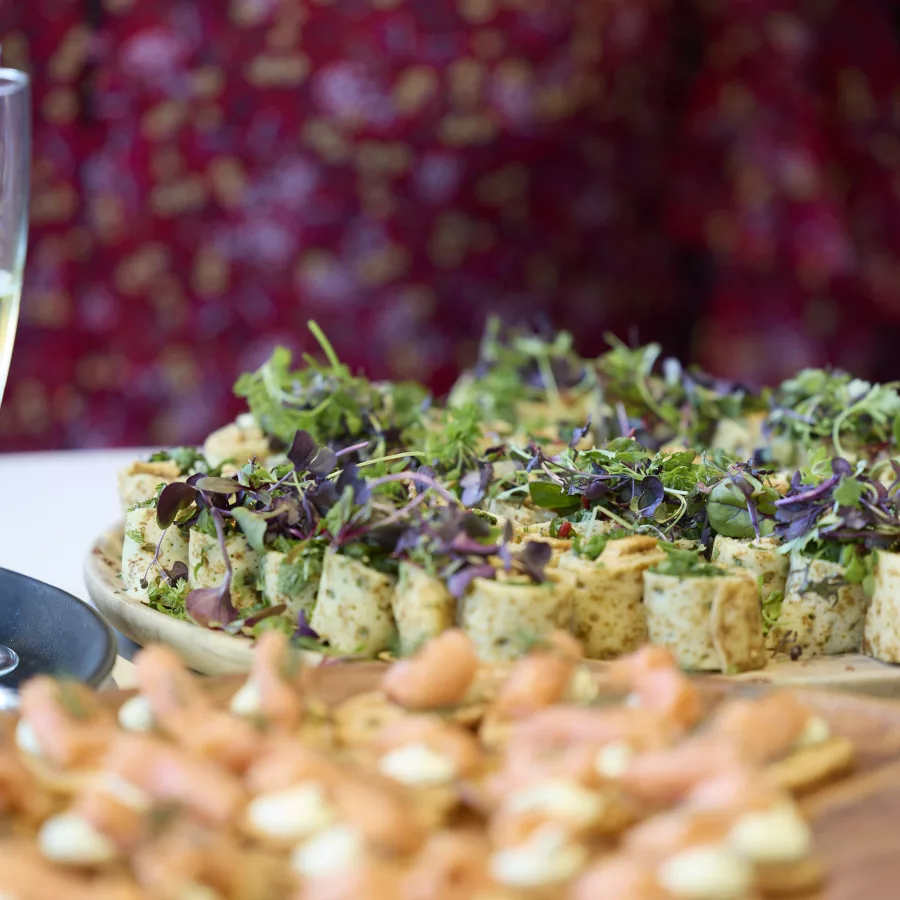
<point x="15" y="168"/>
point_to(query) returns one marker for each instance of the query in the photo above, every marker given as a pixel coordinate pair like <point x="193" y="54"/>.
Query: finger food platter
<point x="130" y="795"/>
<point x="627" y="499"/>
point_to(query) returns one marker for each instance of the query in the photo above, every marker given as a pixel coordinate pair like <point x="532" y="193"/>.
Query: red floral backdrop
<point x="209" y="174"/>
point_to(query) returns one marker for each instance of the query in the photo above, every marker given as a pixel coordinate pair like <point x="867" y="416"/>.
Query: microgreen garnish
<point x="523" y="365"/>
<point x="459" y="546"/>
<point x="846" y="506"/>
<point x="820" y="405"/>
<point x="188" y="459"/>
<point x="685" y="564"/>
<point x="660" y="402"/>
<point x="336" y="407"/>
<point x="742" y="505"/>
<point x="625" y="483"/>
<point x="593" y="546"/>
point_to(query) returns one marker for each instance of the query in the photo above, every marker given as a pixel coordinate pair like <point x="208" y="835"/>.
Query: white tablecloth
<point x="52" y="506"/>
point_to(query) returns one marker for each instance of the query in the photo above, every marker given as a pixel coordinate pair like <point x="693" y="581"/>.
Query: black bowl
<point x="53" y="632"/>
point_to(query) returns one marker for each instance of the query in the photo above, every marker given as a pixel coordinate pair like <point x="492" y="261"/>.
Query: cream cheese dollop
<point x="291" y="814"/>
<point x="136" y="714"/>
<point x="816" y="731"/>
<point x="707" y="872"/>
<point x="612" y="760"/>
<point x="778" y="835"/>
<point x="247" y="702"/>
<point x="583" y="687"/>
<point x="27" y="739"/>
<point x="336" y="849"/>
<point x="559" y="798"/>
<point x="419" y="765"/>
<point x="547" y="857"/>
<point x="69" y="839"/>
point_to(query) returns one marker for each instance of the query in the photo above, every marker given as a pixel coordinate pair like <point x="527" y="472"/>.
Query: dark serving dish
<point x="53" y="632"/>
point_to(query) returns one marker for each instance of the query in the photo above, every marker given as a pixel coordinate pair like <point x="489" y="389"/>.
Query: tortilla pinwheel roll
<point x="710" y="622"/>
<point x="821" y="614"/>
<point x="142" y="535"/>
<point x="238" y="442"/>
<point x="206" y="566"/>
<point x="295" y="594"/>
<point x="138" y="482"/>
<point x="423" y="607"/>
<point x="519" y="514"/>
<point x="608" y="615"/>
<point x="353" y="608"/>
<point x="881" y="633"/>
<point x="740" y="437"/>
<point x="503" y="616"/>
<point x="759" y="556"/>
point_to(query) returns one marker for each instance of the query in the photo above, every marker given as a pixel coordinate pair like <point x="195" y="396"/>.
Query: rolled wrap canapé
<point x="881" y="631"/>
<point x="709" y="617"/>
<point x="608" y="614"/>
<point x="206" y="566"/>
<point x="422" y="605"/>
<point x="504" y="615"/>
<point x="353" y="608"/>
<point x="821" y="613"/>
<point x="142" y="536"/>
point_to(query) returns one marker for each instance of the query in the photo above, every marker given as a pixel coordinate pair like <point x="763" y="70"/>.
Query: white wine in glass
<point x="15" y="170"/>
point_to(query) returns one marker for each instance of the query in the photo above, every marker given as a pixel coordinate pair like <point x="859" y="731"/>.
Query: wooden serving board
<point x="217" y="653"/>
<point x="853" y="819"/>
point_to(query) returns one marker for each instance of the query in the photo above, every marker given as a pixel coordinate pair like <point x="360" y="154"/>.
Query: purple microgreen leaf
<point x="174" y="498"/>
<point x="579" y="433"/>
<point x="535" y="461"/>
<point x="475" y="484"/>
<point x="323" y="497"/>
<point x="533" y="558"/>
<point x="211" y="606"/>
<point x="304" y="629"/>
<point x="178" y="572"/>
<point x="302" y="450"/>
<point x="652" y="495"/>
<point x="458" y="583"/>
<point x="841" y="467"/>
<point x="323" y="462"/>
<point x="350" y="477"/>
<point x="463" y="544"/>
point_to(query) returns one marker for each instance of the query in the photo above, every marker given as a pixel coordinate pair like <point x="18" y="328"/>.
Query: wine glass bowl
<point x="9" y="660"/>
<point x="15" y="170"/>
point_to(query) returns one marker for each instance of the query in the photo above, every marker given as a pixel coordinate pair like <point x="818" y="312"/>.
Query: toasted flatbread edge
<point x="790" y="878"/>
<point x="810" y="767"/>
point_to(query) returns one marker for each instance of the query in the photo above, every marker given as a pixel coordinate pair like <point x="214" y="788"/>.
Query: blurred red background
<point x="209" y="174"/>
